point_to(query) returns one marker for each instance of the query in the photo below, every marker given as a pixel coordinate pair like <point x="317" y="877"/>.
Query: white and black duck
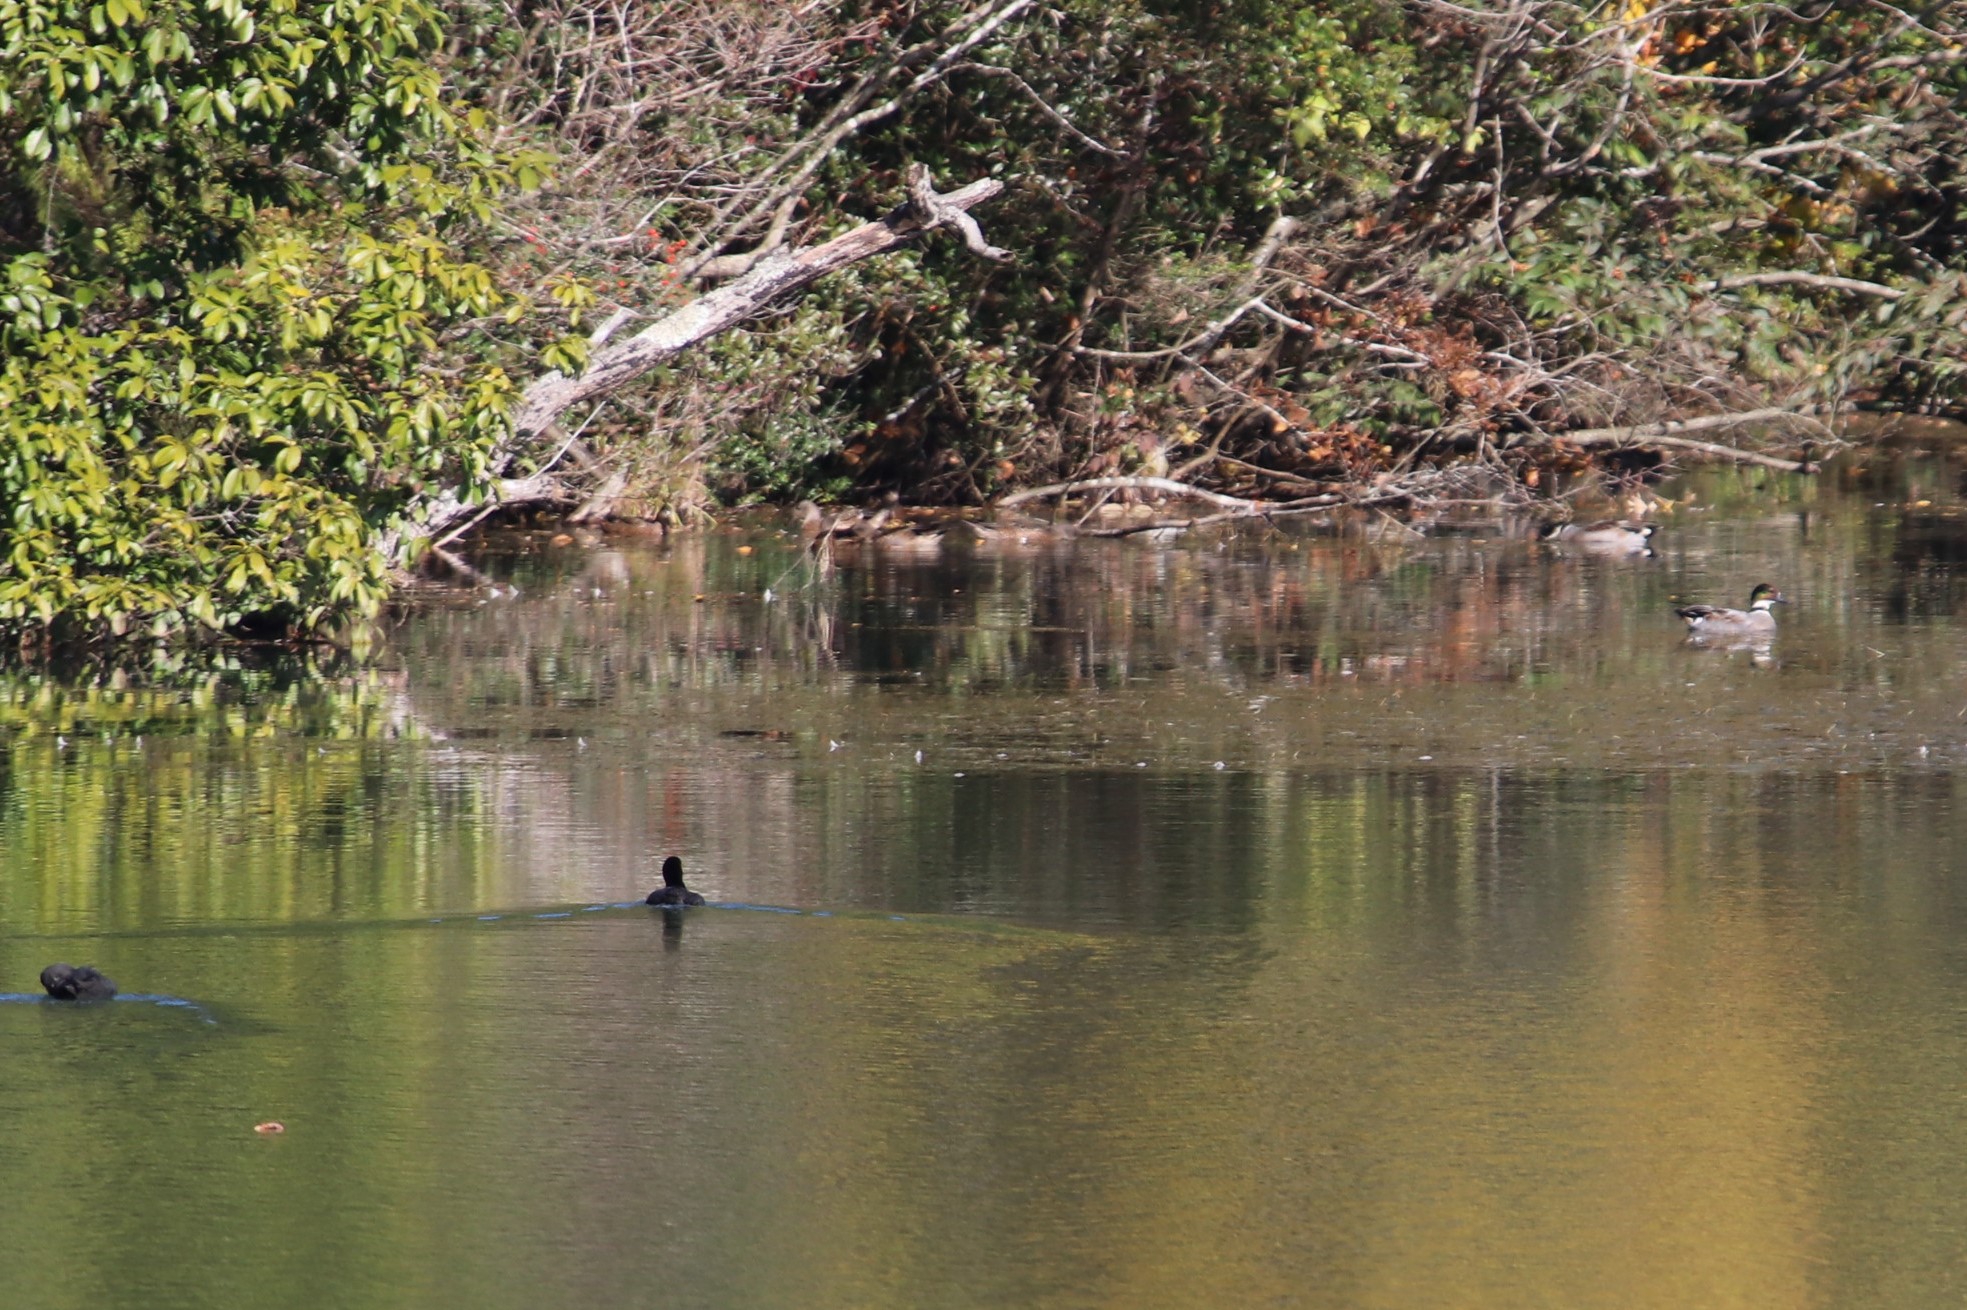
<point x="1719" y="621"/>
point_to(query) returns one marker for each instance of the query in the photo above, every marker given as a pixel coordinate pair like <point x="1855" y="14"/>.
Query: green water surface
<point x="1329" y="918"/>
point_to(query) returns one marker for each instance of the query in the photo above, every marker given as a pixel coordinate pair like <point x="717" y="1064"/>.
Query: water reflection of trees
<point x="633" y="699"/>
<point x="220" y="787"/>
<point x="1091" y="614"/>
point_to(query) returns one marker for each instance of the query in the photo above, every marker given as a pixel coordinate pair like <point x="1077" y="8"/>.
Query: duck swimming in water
<point x="1755" y="621"/>
<point x="672" y="891"/>
<point x="1611" y="537"/>
<point x="67" y="982"/>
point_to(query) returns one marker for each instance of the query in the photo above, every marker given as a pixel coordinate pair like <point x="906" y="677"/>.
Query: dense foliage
<point x="229" y="234"/>
<point x="1488" y="225"/>
<point x="274" y="270"/>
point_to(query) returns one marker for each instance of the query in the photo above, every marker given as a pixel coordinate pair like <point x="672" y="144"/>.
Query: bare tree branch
<point x="1043" y="106"/>
<point x="1798" y="278"/>
<point x="816" y="148"/>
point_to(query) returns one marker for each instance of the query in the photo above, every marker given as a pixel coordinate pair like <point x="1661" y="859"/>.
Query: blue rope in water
<point x="136" y="998"/>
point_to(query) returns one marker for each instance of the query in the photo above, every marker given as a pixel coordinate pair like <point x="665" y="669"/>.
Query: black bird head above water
<point x="672" y="891"/>
<point x="67" y="982"/>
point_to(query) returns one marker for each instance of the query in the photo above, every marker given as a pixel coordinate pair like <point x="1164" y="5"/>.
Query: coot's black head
<point x="672" y="891"/>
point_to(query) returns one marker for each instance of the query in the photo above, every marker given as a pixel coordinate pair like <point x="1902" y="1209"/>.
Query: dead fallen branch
<point x="1799" y="279"/>
<point x="1256" y="509"/>
<point x="1164" y="486"/>
<point x="773" y="279"/>
<point x="460" y="567"/>
<point x="1645" y="435"/>
<point x="1422" y="489"/>
<point x="1731" y="454"/>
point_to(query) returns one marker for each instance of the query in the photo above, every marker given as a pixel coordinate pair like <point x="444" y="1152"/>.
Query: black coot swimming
<point x="68" y="982"/>
<point x="672" y="891"/>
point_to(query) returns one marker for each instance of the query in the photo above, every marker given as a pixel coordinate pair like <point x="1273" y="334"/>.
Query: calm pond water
<point x="1328" y="919"/>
